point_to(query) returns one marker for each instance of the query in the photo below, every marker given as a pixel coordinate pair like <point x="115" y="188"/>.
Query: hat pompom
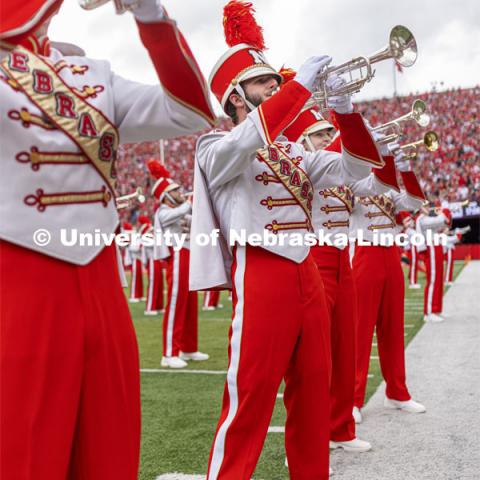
<point x="157" y="169"/>
<point x="240" y="25"/>
<point x="287" y="74"/>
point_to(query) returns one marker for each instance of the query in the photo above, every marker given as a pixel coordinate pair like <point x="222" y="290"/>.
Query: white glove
<point x="339" y="103"/>
<point x="382" y="147"/>
<point x="402" y="163"/>
<point x="307" y="74"/>
<point x="146" y="11"/>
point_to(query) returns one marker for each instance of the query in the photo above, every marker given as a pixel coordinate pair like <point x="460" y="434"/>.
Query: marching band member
<point x="248" y="183"/>
<point x="135" y="254"/>
<point x="379" y="282"/>
<point x="429" y="222"/>
<point x="127" y="227"/>
<point x="69" y="371"/>
<point x="211" y="300"/>
<point x="408" y="223"/>
<point x="453" y="239"/>
<point x="180" y="322"/>
<point x="154" y="301"/>
<point x="331" y="213"/>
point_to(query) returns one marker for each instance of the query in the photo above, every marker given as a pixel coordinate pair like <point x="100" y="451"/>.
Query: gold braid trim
<point x="27" y="119"/>
<point x="276" y="227"/>
<point x="381" y="227"/>
<point x="265" y="178"/>
<point x="43" y="200"/>
<point x="332" y="224"/>
<point x="329" y="208"/>
<point x="37" y="158"/>
<point x="270" y="202"/>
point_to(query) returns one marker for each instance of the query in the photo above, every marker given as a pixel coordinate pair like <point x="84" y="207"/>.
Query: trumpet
<point x="125" y="200"/>
<point x="92" y="4"/>
<point x="402" y="47"/>
<point x="430" y="140"/>
<point x="393" y="131"/>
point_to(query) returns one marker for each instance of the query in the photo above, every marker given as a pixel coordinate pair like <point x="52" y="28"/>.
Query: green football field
<point x="180" y="409"/>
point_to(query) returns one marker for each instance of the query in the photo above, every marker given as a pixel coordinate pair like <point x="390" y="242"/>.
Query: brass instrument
<point x="430" y="140"/>
<point x="125" y="200"/>
<point x="393" y="131"/>
<point x="402" y="47"/>
<point x="92" y="4"/>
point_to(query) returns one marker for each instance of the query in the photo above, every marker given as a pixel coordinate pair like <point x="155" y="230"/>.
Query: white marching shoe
<point x="330" y="471"/>
<point x="208" y="309"/>
<point x="355" y="446"/>
<point x="357" y="415"/>
<point x="409" y="406"/>
<point x="173" y="362"/>
<point x="433" y="318"/>
<point x="150" y="312"/>
<point x="414" y="286"/>
<point x="195" y="356"/>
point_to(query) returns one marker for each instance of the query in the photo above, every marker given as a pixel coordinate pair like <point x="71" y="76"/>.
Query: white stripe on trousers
<point x="206" y="300"/>
<point x="232" y="374"/>
<point x="431" y="286"/>
<point x="449" y="265"/>
<point x="173" y="302"/>
<point x="413" y="267"/>
<point x="151" y="277"/>
<point x="133" y="286"/>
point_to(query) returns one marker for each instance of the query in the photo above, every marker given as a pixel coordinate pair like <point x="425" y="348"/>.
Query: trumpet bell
<point x="403" y="46"/>
<point x="431" y="141"/>
<point x="419" y="113"/>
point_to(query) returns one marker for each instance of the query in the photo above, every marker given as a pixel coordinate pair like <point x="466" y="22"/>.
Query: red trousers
<point x="413" y="269"/>
<point x="433" y="294"/>
<point x="180" y="322"/>
<point x="380" y="299"/>
<point x="279" y="330"/>
<point x="449" y="266"/>
<point x="69" y="372"/>
<point x="211" y="298"/>
<point x="336" y="273"/>
<point x="155" y="286"/>
<point x="136" y="286"/>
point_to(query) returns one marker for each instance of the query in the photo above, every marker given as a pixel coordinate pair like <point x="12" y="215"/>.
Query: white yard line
<point x="178" y="370"/>
<point x="276" y="429"/>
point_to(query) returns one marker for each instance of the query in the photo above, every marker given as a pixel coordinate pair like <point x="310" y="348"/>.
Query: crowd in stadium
<point x="450" y="174"/>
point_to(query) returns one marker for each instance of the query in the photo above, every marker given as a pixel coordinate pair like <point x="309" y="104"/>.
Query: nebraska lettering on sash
<point x="385" y="205"/>
<point x="344" y="194"/>
<point x="86" y="126"/>
<point x="293" y="178"/>
<point x="42" y="82"/>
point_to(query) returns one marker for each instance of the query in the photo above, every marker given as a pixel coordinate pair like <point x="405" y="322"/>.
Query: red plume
<point x="240" y="26"/>
<point x="287" y="74"/>
<point x="142" y="219"/>
<point x="157" y="169"/>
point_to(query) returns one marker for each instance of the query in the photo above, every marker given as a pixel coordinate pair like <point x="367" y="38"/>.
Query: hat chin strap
<point x="175" y="202"/>
<point x="242" y="93"/>
<point x="309" y="143"/>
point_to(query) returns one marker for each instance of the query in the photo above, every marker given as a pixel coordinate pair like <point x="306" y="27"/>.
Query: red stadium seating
<point x="450" y="174"/>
